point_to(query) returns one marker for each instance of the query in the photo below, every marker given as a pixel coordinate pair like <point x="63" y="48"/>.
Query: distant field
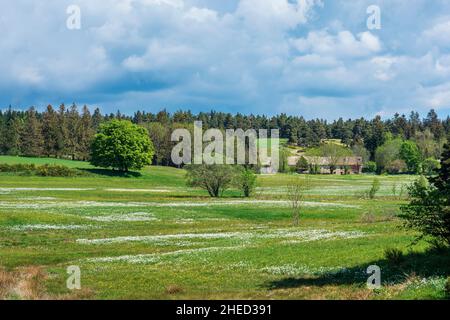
<point x="151" y="237"/>
<point x="267" y="143"/>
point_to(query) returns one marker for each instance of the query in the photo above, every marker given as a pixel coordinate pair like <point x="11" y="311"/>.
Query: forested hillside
<point x="67" y="132"/>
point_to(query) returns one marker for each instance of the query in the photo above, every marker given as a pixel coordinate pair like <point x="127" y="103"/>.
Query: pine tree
<point x="429" y="209"/>
<point x="32" y="140"/>
<point x="442" y="181"/>
<point x="50" y="131"/>
<point x="62" y="131"/>
<point x="96" y="119"/>
<point x="434" y="124"/>
<point x="71" y="142"/>
<point x="85" y="134"/>
<point x="10" y="134"/>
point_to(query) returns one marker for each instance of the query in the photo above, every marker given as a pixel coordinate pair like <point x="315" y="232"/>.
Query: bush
<point x="394" y="256"/>
<point x="246" y="181"/>
<point x="46" y="170"/>
<point x="370" y="167"/>
<point x="24" y="168"/>
<point x="55" y="171"/>
<point x="430" y="166"/>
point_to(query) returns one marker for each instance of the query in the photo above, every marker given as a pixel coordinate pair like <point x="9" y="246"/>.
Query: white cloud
<point x="383" y="68"/>
<point x="315" y="61"/>
<point x="439" y="34"/>
<point x="343" y="44"/>
<point x="437" y="97"/>
<point x="201" y="14"/>
<point x="275" y="15"/>
<point x="179" y="4"/>
<point x="245" y="55"/>
<point x="161" y="55"/>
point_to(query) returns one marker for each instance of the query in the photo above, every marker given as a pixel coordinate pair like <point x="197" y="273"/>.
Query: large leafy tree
<point x="409" y="152"/>
<point x="429" y="209"/>
<point x="122" y="145"/>
<point x="160" y="136"/>
<point x="387" y="153"/>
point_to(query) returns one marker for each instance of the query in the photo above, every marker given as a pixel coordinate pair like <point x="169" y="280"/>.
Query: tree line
<point x="68" y="132"/>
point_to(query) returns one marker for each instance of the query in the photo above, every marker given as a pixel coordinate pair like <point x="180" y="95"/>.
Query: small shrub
<point x="374" y="189"/>
<point x="394" y="256"/>
<point x="296" y="190"/>
<point x="394" y="189"/>
<point x="246" y="181"/>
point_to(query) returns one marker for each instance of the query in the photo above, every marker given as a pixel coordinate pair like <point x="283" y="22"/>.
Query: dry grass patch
<point x="28" y="283"/>
<point x="174" y="289"/>
<point x="24" y="283"/>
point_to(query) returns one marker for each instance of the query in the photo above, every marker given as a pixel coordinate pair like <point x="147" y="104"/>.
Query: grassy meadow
<point x="149" y="236"/>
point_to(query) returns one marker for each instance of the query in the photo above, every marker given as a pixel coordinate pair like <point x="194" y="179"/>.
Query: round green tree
<point x="121" y="145"/>
<point x="409" y="152"/>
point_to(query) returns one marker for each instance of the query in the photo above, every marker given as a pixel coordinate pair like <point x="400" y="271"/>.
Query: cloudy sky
<point x="315" y="58"/>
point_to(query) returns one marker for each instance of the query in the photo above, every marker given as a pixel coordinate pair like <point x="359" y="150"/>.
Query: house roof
<point x="326" y="161"/>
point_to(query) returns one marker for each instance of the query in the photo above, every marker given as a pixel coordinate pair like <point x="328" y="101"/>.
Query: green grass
<point x="172" y="236"/>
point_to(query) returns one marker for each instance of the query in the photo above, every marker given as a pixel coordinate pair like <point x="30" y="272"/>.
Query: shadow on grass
<point x="423" y="265"/>
<point x="112" y="173"/>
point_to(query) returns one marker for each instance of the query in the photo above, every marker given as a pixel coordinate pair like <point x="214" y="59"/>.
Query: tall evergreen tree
<point x="434" y="124"/>
<point x="85" y="134"/>
<point x="32" y="140"/>
<point x="50" y="131"/>
<point x="71" y="142"/>
<point x="62" y="131"/>
<point x="97" y="119"/>
<point x="11" y="133"/>
<point x="429" y="209"/>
